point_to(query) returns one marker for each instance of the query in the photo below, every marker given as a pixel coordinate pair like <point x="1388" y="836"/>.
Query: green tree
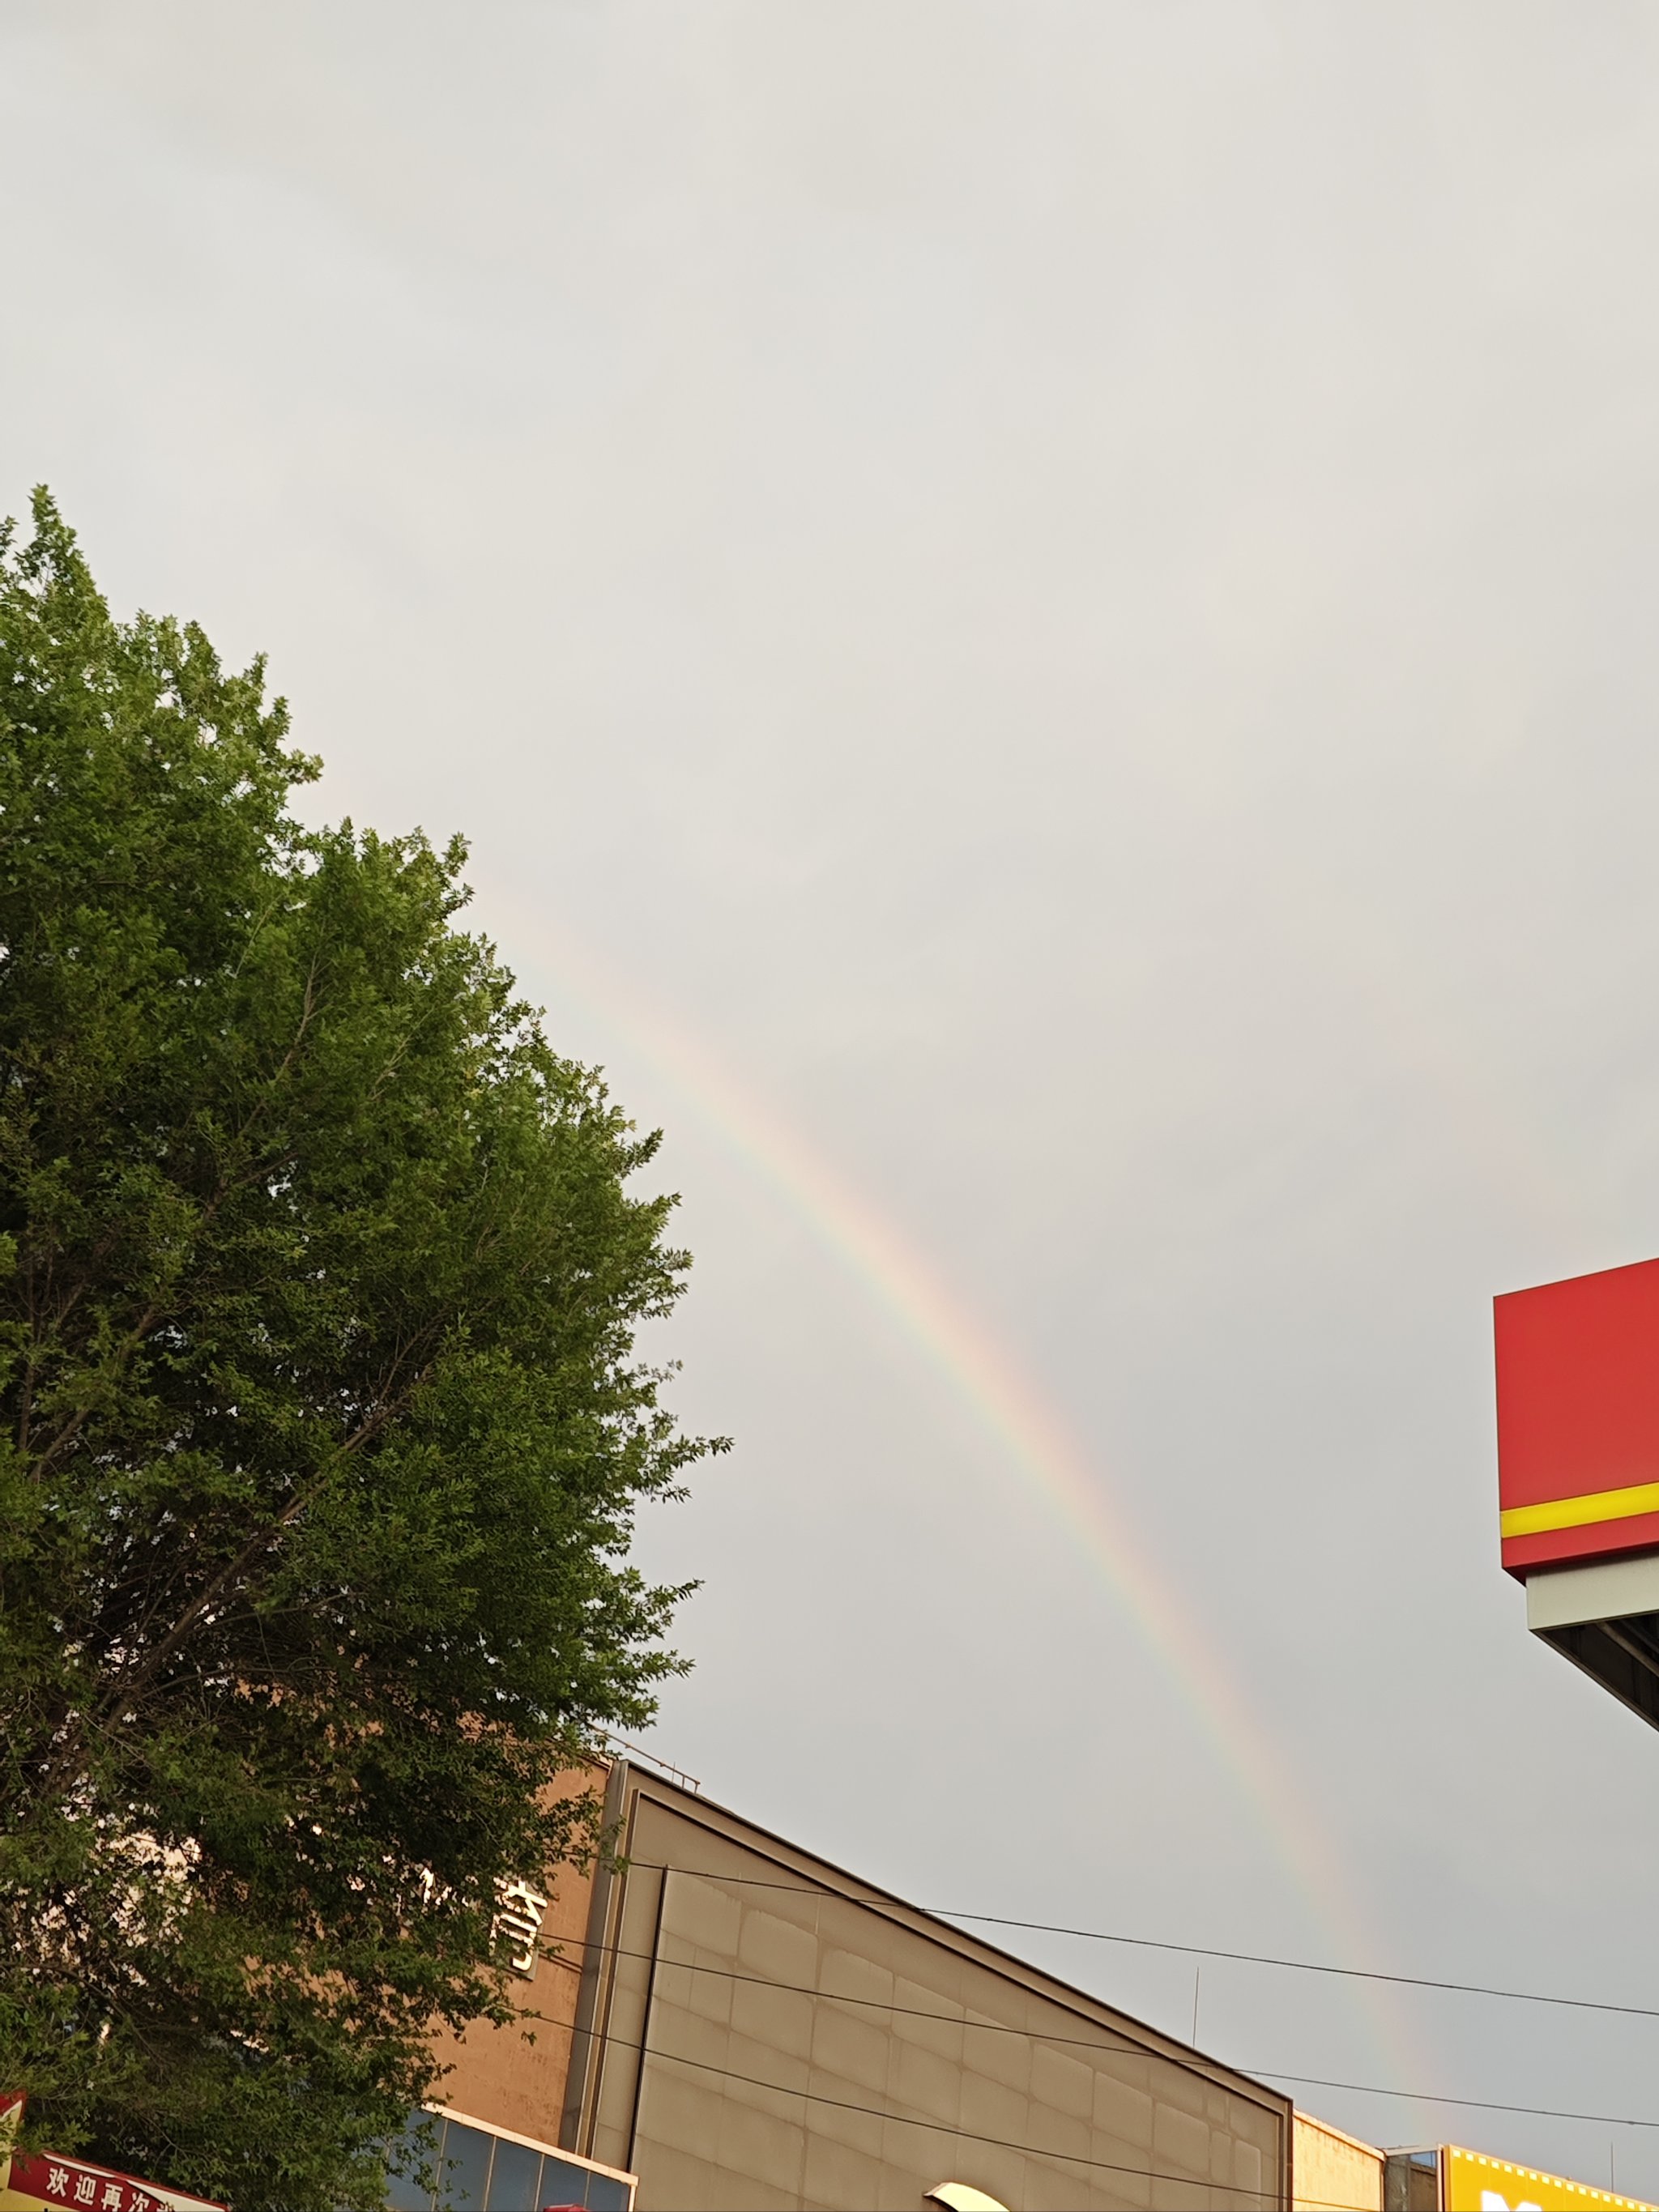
<point x="323" y="1426"/>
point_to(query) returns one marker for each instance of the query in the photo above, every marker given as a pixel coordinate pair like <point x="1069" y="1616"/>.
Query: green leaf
<point x="323" y="1426"/>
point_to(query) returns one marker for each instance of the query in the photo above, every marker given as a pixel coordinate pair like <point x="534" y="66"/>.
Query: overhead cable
<point x="1189" y="1950"/>
<point x="1096" y="2043"/>
<point x="1260" y="2196"/>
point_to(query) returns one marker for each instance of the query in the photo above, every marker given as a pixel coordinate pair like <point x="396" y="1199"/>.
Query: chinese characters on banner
<point x="49" y="2181"/>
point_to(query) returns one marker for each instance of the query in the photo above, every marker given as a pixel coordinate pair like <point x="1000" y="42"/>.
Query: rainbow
<point x="982" y="1376"/>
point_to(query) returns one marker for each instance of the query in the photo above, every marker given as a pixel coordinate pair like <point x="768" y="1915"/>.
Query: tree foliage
<point x="323" y="1426"/>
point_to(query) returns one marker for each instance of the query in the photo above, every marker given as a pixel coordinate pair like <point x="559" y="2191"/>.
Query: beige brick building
<point x="730" y="2024"/>
<point x="1335" y="2171"/>
<point x="734" y="2023"/>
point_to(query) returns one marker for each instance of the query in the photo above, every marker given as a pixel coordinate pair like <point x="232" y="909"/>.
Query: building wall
<point x="757" y="2029"/>
<point x="515" y="2077"/>
<point x="1334" y="2171"/>
<point x="749" y="2029"/>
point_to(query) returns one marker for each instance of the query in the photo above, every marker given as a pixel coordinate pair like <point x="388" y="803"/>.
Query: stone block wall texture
<point x="771" y="2039"/>
<point x="1334" y="2171"/>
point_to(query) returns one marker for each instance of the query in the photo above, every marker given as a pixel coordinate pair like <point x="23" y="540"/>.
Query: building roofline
<point x="708" y="1813"/>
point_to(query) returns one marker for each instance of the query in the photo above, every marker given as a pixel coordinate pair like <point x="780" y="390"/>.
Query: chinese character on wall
<point x="517" y="1924"/>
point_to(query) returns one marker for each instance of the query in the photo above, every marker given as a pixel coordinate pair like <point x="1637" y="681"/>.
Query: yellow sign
<point x="1475" y="2184"/>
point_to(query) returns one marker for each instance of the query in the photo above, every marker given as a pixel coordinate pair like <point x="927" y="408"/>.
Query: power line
<point x="1260" y="2195"/>
<point x="1257" y="2196"/>
<point x="1093" y="2043"/>
<point x="1001" y="2142"/>
<point x="1193" y="1950"/>
<point x="1430" y="2097"/>
<point x="1303" y="1965"/>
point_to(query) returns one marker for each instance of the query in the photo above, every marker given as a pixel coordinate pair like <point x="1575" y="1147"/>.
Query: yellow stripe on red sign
<point x="1579" y="1512"/>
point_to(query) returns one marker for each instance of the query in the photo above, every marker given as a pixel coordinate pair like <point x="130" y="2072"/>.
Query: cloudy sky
<point x="1041" y="618"/>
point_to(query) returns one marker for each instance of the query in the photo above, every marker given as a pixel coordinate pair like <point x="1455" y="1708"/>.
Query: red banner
<point x="53" y="2181"/>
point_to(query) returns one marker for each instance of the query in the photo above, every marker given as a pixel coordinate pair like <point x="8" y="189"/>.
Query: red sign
<point x="1578" y="1418"/>
<point x="53" y="2181"/>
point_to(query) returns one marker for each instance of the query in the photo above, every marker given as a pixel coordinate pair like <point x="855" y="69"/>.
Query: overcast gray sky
<point x="1041" y="618"/>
